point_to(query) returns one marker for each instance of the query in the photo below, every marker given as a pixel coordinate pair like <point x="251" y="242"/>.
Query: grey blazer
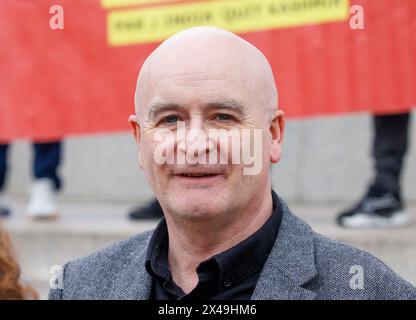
<point x="302" y="265"/>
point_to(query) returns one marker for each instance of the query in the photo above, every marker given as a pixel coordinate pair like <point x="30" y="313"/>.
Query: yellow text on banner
<point x="136" y="26"/>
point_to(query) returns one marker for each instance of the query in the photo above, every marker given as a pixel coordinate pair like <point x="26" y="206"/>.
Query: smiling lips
<point x="198" y="173"/>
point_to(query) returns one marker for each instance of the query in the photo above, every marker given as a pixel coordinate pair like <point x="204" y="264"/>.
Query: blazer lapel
<point x="133" y="282"/>
<point x="291" y="263"/>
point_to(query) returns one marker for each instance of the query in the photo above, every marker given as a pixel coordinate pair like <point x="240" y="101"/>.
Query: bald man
<point x="208" y="127"/>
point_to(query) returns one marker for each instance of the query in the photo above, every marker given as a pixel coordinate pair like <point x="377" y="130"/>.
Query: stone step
<point x="86" y="227"/>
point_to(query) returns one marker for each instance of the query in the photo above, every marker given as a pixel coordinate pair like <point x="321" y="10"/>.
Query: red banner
<point x="81" y="79"/>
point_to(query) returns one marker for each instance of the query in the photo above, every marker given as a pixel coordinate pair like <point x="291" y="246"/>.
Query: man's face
<point x="202" y="95"/>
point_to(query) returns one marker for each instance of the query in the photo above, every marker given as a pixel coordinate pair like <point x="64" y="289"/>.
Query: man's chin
<point x="194" y="207"/>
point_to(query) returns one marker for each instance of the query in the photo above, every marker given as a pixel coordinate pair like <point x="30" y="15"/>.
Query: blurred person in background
<point x="11" y="287"/>
<point x="46" y="184"/>
<point x="382" y="205"/>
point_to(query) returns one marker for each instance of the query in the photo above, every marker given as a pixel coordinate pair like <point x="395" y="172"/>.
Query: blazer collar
<point x="291" y="263"/>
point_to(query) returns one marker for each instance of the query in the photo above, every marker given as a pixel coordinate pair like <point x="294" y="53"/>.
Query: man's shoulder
<point x="328" y="268"/>
<point x="99" y="268"/>
<point x="346" y="272"/>
<point x="115" y="254"/>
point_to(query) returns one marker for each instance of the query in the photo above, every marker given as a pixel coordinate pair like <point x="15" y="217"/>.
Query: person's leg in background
<point x="382" y="206"/>
<point x="4" y="210"/>
<point x="46" y="184"/>
<point x="389" y="149"/>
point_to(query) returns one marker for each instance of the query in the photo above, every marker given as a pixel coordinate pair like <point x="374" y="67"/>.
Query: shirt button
<point x="227" y="284"/>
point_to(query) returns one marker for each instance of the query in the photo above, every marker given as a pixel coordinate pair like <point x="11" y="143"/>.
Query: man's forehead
<point x="197" y="69"/>
<point x="192" y="97"/>
<point x="195" y="86"/>
<point x="195" y="74"/>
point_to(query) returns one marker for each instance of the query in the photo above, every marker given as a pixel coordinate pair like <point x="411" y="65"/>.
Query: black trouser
<point x="47" y="157"/>
<point x="391" y="135"/>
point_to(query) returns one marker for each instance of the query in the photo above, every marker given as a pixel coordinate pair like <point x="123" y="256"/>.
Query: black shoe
<point x="375" y="210"/>
<point x="151" y="211"/>
<point x="4" y="212"/>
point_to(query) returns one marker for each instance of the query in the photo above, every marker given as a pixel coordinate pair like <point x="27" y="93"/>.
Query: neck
<point x="192" y="242"/>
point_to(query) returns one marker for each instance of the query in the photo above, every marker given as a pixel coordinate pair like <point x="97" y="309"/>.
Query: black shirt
<point x="232" y="274"/>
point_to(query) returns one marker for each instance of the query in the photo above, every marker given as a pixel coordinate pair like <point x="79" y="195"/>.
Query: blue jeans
<point x="47" y="157"/>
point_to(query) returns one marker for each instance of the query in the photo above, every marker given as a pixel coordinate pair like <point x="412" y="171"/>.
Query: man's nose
<point x="197" y="139"/>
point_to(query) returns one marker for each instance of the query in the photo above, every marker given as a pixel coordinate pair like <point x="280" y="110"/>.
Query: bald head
<point x="203" y="58"/>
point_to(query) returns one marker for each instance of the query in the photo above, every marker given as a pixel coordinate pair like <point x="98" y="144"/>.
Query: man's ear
<point x="277" y="129"/>
<point x="135" y="130"/>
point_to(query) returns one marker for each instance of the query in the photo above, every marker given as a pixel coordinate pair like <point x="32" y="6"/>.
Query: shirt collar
<point x="248" y="257"/>
<point x="157" y="264"/>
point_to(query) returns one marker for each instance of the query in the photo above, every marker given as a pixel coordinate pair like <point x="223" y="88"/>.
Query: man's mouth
<point x="198" y="175"/>
<point x="199" y="179"/>
<point x="202" y="175"/>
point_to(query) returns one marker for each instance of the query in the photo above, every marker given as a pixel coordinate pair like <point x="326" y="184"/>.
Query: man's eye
<point x="171" y="119"/>
<point x="224" y="117"/>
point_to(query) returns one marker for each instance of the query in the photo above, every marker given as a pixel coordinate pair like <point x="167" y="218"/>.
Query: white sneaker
<point x="42" y="204"/>
<point x="381" y="211"/>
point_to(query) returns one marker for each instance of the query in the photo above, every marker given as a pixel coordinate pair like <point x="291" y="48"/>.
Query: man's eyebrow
<point x="233" y="105"/>
<point x="160" y="107"/>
